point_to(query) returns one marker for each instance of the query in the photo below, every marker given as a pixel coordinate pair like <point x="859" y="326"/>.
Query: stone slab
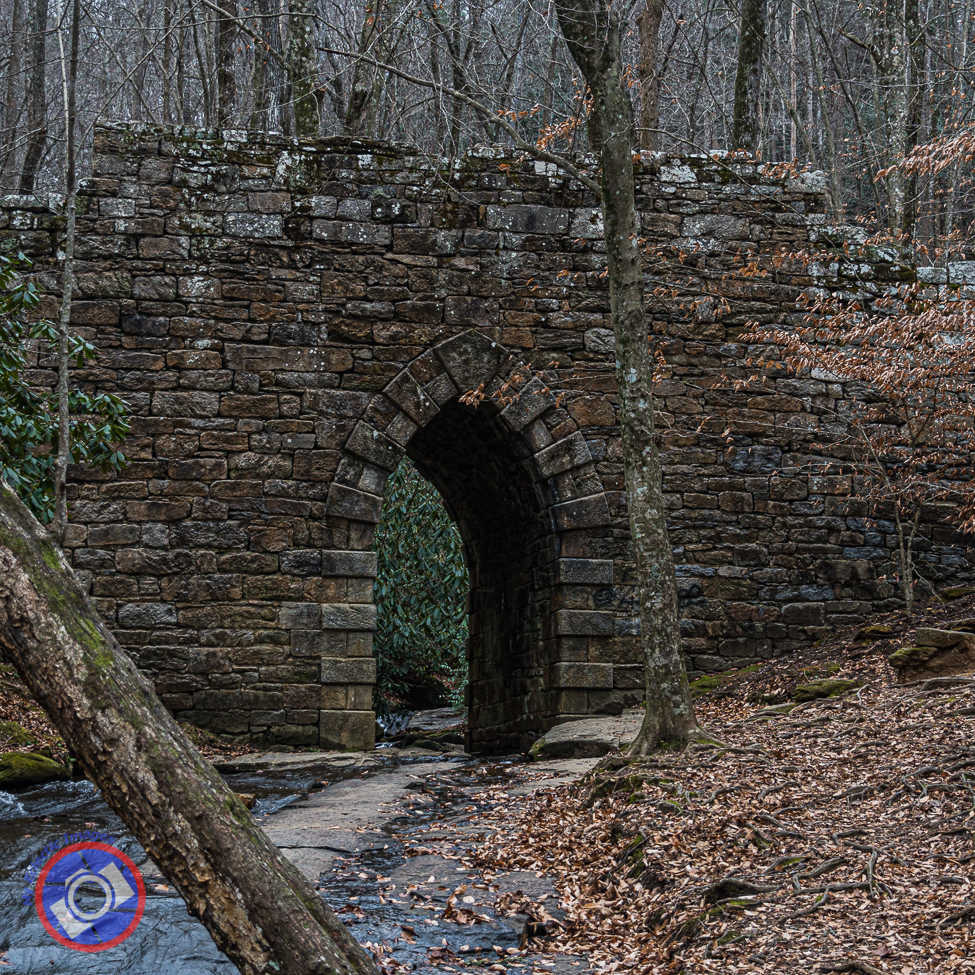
<point x="588" y="738"/>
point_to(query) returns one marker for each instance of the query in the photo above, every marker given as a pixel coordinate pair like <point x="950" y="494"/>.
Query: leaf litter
<point x="834" y="835"/>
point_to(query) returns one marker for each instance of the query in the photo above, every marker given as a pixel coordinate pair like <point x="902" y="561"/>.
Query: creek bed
<point x="386" y="897"/>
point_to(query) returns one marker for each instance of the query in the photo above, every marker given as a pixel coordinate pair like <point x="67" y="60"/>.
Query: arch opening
<point x="484" y="476"/>
<point x="421" y="599"/>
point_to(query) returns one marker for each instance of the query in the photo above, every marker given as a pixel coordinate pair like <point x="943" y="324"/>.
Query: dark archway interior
<point x="482" y="472"/>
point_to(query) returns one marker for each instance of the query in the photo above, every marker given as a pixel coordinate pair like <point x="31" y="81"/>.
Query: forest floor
<point x="834" y="835"/>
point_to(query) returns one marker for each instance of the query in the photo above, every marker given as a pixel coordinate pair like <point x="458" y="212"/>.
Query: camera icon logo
<point x="90" y="896"/>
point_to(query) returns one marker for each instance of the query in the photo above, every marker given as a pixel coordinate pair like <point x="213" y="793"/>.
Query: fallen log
<point x="259" y="909"/>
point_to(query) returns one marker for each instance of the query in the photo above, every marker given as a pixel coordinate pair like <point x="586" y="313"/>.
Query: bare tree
<point x="746" y="123"/>
<point x="36" y="94"/>
<point x="593" y="30"/>
<point x="648" y="21"/>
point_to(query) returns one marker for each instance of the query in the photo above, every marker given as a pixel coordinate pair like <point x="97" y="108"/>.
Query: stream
<point x="394" y="796"/>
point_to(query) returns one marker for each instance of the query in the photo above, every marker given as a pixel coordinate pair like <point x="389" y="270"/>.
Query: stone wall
<point x="287" y="318"/>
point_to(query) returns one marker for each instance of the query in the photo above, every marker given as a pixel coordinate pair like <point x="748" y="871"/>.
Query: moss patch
<point x="15" y="733"/>
<point x="824" y="688"/>
<point x="911" y="656"/>
<point x="20" y="770"/>
<point x="710" y="683"/>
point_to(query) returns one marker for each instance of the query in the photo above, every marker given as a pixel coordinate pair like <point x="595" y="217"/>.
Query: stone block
<point x="261" y="407"/>
<point x="311" y="642"/>
<point x="926" y="636"/>
<point x="533" y="401"/>
<point x="471" y="359"/>
<point x="528" y="219"/>
<point x="804" y="614"/>
<point x="259" y="225"/>
<point x="348" y="670"/>
<point x="353" y="564"/>
<point x="156" y="510"/>
<point x="348" y="730"/>
<point x="301" y="562"/>
<point x="348" y="616"/>
<point x="315" y="465"/>
<point x="715" y="225"/>
<point x="135" y="616"/>
<point x="563" y="455"/>
<point x="584" y="622"/>
<point x="352" y="232"/>
<point x="195" y="404"/>
<point x="376" y="447"/>
<point x="590" y="512"/>
<point x="787" y="489"/>
<point x="406" y="393"/>
<point x="346" y="502"/>
<point x="136" y="561"/>
<point x="300" y="616"/>
<point x="471" y="313"/>
<point x="592" y="572"/>
<point x="757" y="459"/>
<point x="580" y="675"/>
<point x="100" y="536"/>
<point x="628" y="678"/>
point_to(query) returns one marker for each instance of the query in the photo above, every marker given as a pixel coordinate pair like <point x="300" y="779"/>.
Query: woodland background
<point x="850" y="88"/>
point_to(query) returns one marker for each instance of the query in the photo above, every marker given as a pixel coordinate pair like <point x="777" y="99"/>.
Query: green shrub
<point x="29" y="414"/>
<point x="421" y="592"/>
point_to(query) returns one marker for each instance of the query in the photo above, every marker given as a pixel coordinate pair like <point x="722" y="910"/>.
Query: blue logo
<point x="89" y="896"/>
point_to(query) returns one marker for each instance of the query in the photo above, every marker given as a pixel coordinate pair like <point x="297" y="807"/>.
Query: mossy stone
<point x="824" y="688"/>
<point x="956" y="592"/>
<point x="20" y="770"/>
<point x="911" y="657"/>
<point x="16" y="733"/>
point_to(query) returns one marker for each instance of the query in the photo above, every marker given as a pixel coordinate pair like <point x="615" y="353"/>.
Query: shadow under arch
<point x="518" y="478"/>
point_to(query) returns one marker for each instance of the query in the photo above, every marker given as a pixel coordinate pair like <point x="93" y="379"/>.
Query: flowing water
<point x="380" y="893"/>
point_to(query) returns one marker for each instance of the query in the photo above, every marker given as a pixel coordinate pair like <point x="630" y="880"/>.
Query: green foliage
<point x="421" y="591"/>
<point x="29" y="414"/>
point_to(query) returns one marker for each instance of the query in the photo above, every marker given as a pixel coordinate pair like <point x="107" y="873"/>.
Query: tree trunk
<point x="748" y="79"/>
<point x="226" y="82"/>
<point x="69" y="78"/>
<point x="892" y="60"/>
<point x="648" y="23"/>
<point x="592" y="31"/>
<point x="261" y="111"/>
<point x="303" y="67"/>
<point x="36" y="95"/>
<point x="259" y="909"/>
<point x="11" y="101"/>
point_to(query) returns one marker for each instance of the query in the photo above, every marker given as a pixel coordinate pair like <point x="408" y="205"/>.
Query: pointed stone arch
<point x="531" y="516"/>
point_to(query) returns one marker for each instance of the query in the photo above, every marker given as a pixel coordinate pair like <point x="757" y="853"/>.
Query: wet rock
<point x="20" y="770"/>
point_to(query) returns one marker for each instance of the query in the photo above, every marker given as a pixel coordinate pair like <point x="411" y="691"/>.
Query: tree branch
<point x="483" y="110"/>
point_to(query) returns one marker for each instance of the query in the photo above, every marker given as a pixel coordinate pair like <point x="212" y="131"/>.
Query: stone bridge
<point x="287" y="319"/>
